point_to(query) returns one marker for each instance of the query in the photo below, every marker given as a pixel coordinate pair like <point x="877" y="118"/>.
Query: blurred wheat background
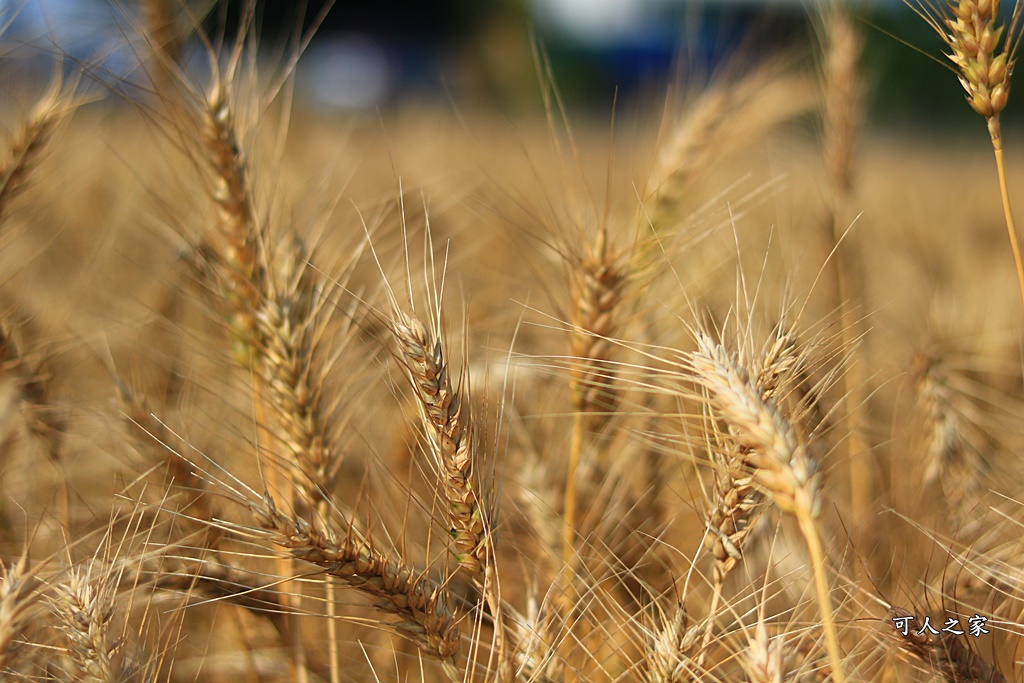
<point x="530" y="342"/>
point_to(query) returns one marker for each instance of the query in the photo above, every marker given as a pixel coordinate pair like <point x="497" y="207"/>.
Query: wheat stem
<point x="809" y="529"/>
<point x="995" y="132"/>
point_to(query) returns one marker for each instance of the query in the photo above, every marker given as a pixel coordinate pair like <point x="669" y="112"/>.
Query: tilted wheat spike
<point x="450" y="432"/>
<point x="290" y="323"/>
<point x="736" y="502"/>
<point x="421" y="604"/>
<point x="782" y="466"/>
<point x="24" y="149"/>
<point x="446" y="414"/>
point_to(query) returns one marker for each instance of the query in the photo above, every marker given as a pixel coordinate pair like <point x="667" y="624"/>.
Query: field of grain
<point x="728" y="388"/>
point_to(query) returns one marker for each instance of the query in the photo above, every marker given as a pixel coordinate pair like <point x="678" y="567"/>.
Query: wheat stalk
<point x="841" y="114"/>
<point x="598" y="283"/>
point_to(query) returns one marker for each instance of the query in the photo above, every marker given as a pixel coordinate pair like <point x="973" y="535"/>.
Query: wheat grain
<point x="18" y="593"/>
<point x="85" y="606"/>
<point x="446" y="416"/>
<point x="426" y="618"/>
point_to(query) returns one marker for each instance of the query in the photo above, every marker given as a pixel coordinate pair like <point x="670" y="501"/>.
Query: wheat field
<point x="730" y="388"/>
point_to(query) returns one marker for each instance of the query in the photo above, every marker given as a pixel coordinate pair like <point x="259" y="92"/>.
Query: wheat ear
<point x="18" y="593"/>
<point x="84" y="606"/>
<point x="255" y="318"/>
<point x="422" y="605"/>
<point x="972" y="32"/>
<point x="446" y="415"/>
<point x="732" y="512"/>
<point x="671" y="645"/>
<point x="237" y="233"/>
<point x="779" y="464"/>
<point x="598" y="282"/>
<point x="955" y="458"/>
<point x="290" y="323"/>
<point x="764" y="659"/>
<point x="26" y="147"/>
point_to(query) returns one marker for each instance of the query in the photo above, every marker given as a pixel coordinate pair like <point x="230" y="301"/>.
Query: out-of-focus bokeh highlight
<point x="367" y="56"/>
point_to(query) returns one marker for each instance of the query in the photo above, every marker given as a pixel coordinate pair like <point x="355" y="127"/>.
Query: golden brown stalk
<point x="842" y="98"/>
<point x="841" y="122"/>
<point x="972" y="32"/>
<point x="24" y="150"/>
<point x="945" y="654"/>
<point x="782" y="466"/>
<point x="85" y="607"/>
<point x="17" y="595"/>
<point x="422" y="605"/>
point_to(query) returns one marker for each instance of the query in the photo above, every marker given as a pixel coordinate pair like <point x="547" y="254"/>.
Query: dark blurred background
<point x="368" y="55"/>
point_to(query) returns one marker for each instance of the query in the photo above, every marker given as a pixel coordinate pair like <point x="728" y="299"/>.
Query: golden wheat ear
<point x="984" y="51"/>
<point x="780" y="464"/>
<point x="84" y="607"/>
<point x="25" y="149"/>
<point x="18" y="593"/>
